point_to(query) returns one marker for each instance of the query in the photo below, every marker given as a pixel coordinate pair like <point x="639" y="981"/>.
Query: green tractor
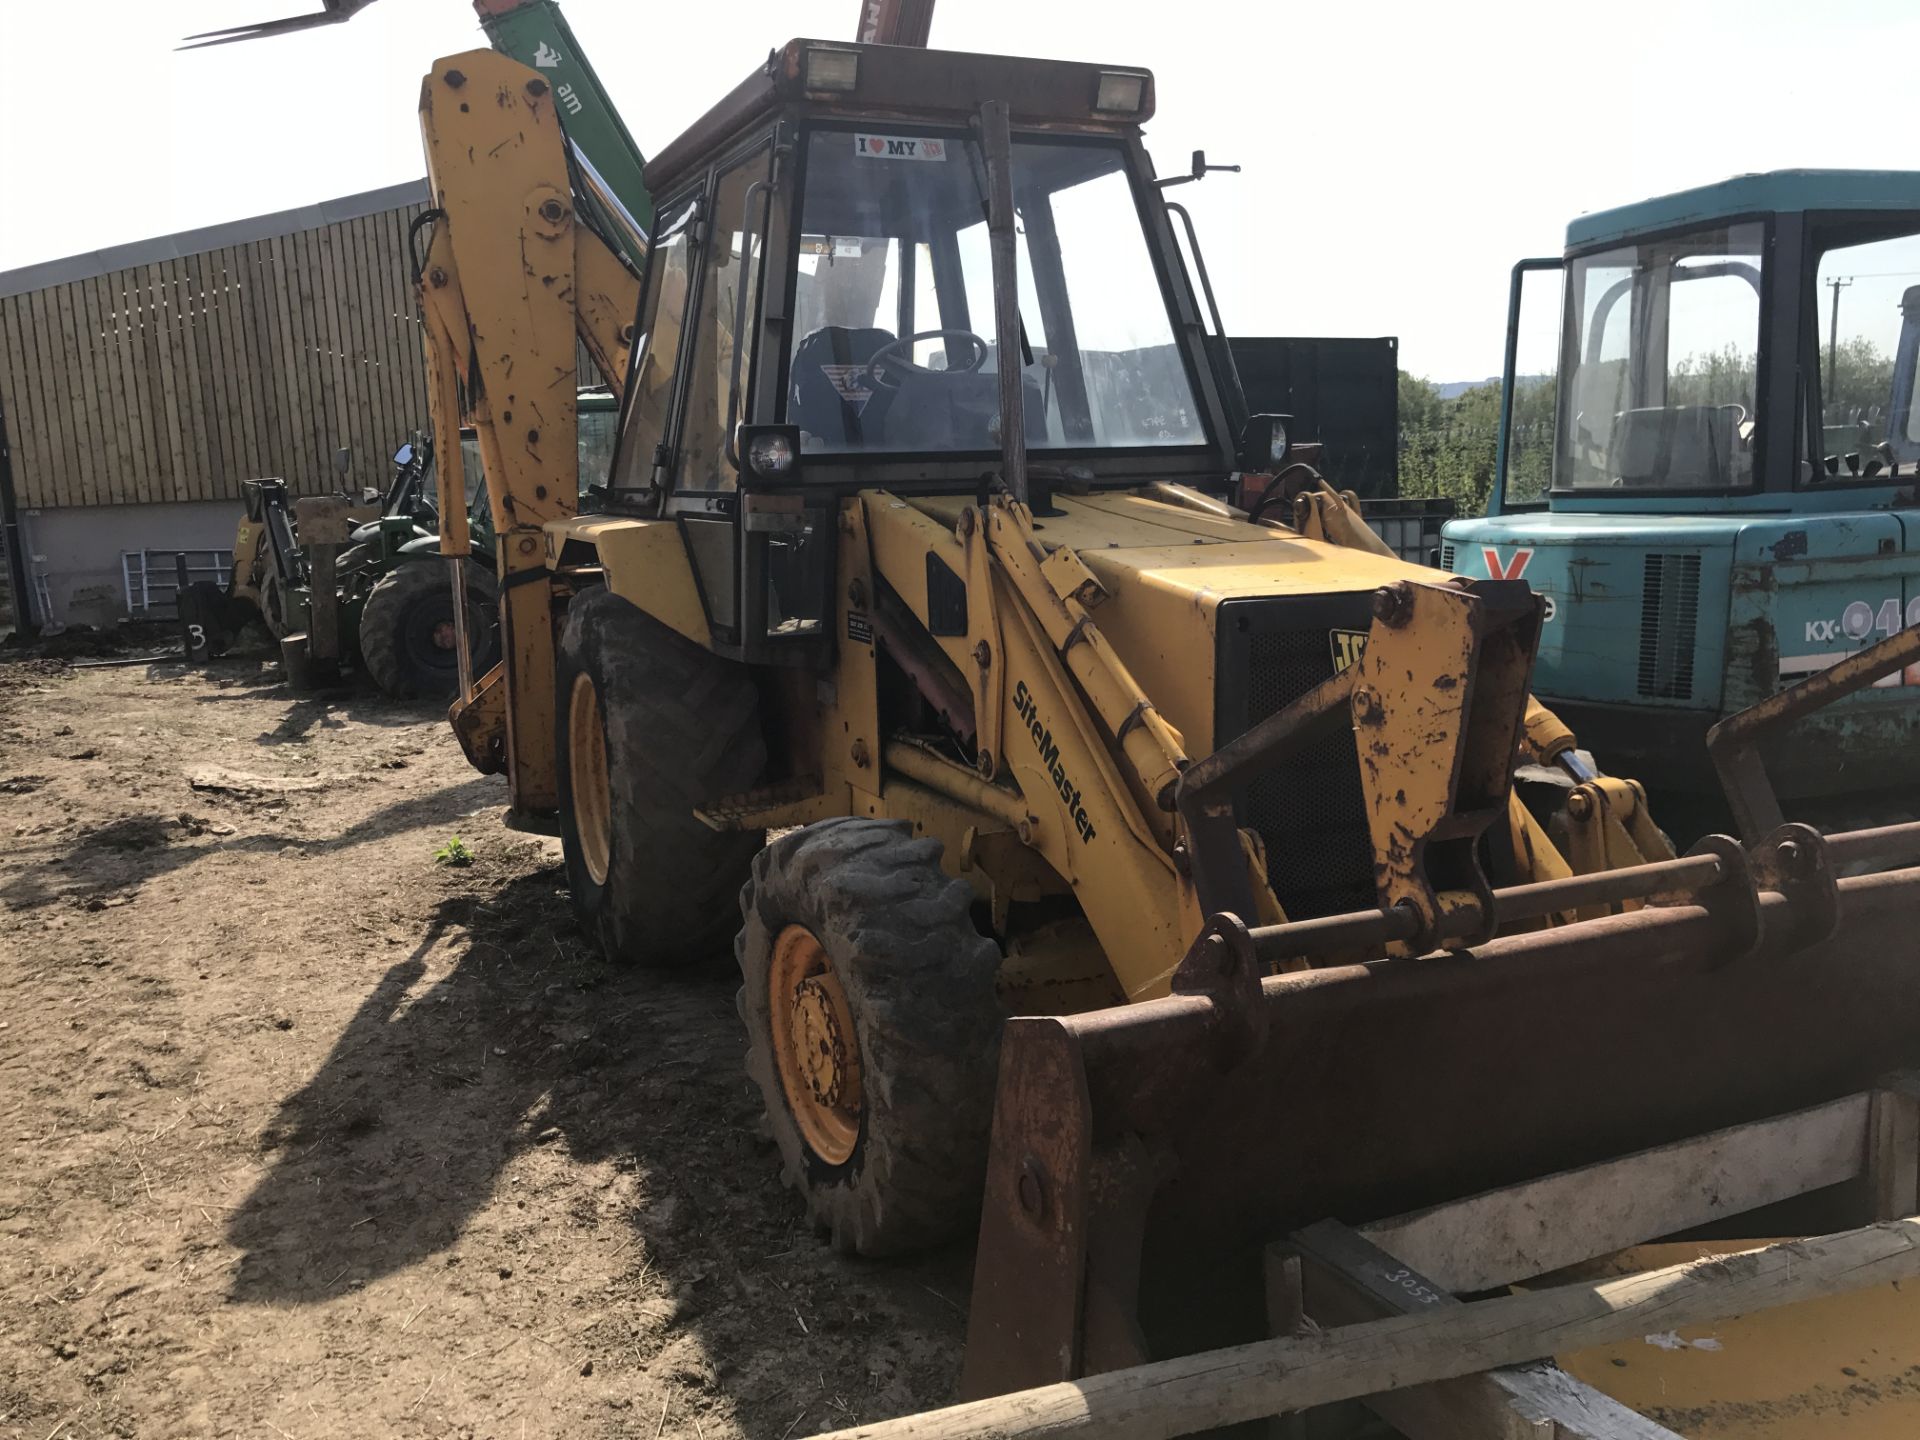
<point x="391" y="615"/>
<point x="395" y="589"/>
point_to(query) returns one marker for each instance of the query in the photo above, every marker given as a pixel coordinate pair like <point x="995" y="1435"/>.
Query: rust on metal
<point x="1427" y="1079"/>
<point x="1734" y="742"/>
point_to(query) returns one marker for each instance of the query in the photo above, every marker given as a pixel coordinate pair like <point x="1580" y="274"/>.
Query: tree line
<point x="1449" y="445"/>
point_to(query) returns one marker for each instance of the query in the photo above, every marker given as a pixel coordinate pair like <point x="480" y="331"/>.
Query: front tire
<point x="652" y="726"/>
<point x="407" y="632"/>
<point x="873" y="1029"/>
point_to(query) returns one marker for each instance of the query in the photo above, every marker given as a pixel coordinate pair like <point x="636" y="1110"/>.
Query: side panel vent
<point x="1669" y="625"/>
<point x="1446" y="555"/>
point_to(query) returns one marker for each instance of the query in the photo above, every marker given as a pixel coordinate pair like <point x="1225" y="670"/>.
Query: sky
<point x="1396" y="157"/>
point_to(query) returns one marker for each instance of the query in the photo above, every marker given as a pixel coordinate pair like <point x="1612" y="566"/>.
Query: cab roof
<point x="909" y="84"/>
<point x="1773" y="191"/>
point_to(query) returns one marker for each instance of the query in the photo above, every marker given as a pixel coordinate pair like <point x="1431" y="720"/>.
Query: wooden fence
<point x="178" y="378"/>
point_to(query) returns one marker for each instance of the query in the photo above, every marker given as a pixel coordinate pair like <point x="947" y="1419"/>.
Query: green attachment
<point x="536" y="34"/>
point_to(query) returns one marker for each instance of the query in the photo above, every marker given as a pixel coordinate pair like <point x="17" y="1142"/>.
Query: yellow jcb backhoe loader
<point x="1218" y="804"/>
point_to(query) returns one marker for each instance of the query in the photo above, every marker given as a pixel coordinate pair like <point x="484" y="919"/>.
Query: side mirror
<point x="403" y="456"/>
<point x="1264" y="444"/>
<point x="1199" y="171"/>
<point x="342" y="460"/>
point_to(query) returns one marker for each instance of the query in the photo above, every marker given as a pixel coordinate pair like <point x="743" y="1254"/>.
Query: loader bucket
<point x="1174" y="1137"/>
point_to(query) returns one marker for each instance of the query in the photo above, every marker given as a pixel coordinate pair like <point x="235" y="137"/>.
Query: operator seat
<point x="1675" y="447"/>
<point x="829" y="396"/>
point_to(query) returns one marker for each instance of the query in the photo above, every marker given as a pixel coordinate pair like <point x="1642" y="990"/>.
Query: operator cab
<point x="833" y="211"/>
<point x="1708" y="464"/>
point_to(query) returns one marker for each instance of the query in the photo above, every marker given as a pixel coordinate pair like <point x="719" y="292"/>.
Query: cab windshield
<point x="893" y="346"/>
<point x="1658" y="381"/>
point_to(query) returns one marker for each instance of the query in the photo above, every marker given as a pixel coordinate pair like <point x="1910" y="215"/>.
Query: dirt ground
<point x="309" y="1133"/>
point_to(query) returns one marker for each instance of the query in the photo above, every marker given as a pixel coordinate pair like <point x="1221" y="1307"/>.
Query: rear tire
<point x="852" y="924"/>
<point x="406" y="629"/>
<point x="651" y="726"/>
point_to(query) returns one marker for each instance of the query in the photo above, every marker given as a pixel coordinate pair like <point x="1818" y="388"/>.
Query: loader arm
<point x="510" y="279"/>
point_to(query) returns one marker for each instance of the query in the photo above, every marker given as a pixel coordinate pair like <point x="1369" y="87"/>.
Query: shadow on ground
<point x="130" y="852"/>
<point x="532" y="1040"/>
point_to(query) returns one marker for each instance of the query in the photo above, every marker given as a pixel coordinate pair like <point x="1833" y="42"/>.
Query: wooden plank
<point x="345" y="410"/>
<point x="383" y="272"/>
<point x="189" y="346"/>
<point x="106" y="370"/>
<point x="29" y="474"/>
<point x="48" y="362"/>
<point x="312" y="379"/>
<point x="1893" y="1159"/>
<point x="320" y="362"/>
<point x="359" y="378"/>
<point x="266" y="316"/>
<point x="123" y="326"/>
<point x="160" y="380"/>
<point x="160" y="485"/>
<point x="252" y="378"/>
<point x="234" y="380"/>
<point x="371" y="419"/>
<point x="1166" y="1398"/>
<point x="171" y="399"/>
<point x="182" y="344"/>
<point x="286" y="370"/>
<point x="1346" y="1280"/>
<point x="222" y="478"/>
<point x="96" y="373"/>
<point x="83" y="403"/>
<point x="1510" y="1234"/>
<point x="415" y="347"/>
<point x="114" y="377"/>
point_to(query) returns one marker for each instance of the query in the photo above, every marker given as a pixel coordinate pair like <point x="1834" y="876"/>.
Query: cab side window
<point x="718" y="374"/>
<point x="656" y="355"/>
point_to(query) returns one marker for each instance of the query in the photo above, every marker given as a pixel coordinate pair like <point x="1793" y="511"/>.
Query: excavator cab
<point x="818" y="315"/>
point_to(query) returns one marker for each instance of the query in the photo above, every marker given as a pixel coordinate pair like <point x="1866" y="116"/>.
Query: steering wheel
<point x="892" y="354"/>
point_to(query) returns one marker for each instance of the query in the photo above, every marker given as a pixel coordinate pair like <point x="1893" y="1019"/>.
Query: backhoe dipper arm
<point x="509" y="280"/>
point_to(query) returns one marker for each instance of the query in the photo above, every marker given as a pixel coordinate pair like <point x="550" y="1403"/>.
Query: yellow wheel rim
<point x="587" y="760"/>
<point x="814" y="1045"/>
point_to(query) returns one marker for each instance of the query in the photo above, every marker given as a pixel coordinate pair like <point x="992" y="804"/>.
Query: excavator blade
<point x="1143" y="1155"/>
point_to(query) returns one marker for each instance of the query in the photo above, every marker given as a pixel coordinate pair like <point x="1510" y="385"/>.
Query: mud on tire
<point x="681" y="727"/>
<point x="408" y="611"/>
<point x="919" y="983"/>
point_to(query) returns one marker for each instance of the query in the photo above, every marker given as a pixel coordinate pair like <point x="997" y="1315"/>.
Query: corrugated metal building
<point x="140" y="385"/>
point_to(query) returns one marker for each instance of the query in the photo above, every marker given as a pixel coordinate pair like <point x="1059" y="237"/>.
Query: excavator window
<point x="893" y="297"/>
<point x="1663" y="360"/>
<point x="1864" y="309"/>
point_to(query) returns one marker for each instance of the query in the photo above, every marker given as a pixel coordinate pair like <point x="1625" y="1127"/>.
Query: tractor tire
<point x="406" y="629"/>
<point x="852" y="926"/>
<point x="651" y="727"/>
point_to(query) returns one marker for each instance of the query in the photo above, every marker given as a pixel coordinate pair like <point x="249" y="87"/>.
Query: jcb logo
<point x="1348" y="647"/>
<point x="1512" y="570"/>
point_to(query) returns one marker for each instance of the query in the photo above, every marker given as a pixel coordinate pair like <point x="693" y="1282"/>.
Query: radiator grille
<point x="1446" y="555"/>
<point x="1669" y="625"/>
<point x="1308" y="812"/>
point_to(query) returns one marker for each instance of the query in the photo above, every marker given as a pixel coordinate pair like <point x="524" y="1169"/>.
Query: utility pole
<point x="1838" y="283"/>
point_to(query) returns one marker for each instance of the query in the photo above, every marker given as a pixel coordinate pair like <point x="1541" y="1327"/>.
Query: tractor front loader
<point x="915" y="548"/>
